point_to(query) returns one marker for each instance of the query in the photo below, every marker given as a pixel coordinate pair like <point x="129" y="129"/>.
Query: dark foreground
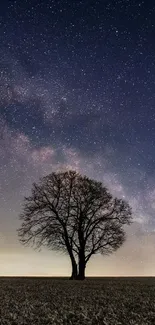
<point x="106" y="301"/>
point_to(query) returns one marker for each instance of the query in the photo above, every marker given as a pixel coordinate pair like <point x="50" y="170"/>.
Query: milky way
<point x="77" y="90"/>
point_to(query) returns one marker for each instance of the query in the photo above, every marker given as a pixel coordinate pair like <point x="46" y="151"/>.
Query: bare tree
<point x="75" y="214"/>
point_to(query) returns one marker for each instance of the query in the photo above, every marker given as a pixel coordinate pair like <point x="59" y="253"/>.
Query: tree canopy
<point x="74" y="214"/>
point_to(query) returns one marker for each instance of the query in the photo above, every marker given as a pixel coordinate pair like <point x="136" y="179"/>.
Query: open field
<point x="107" y="301"/>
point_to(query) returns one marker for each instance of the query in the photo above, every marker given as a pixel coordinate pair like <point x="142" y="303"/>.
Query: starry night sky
<point x="77" y="90"/>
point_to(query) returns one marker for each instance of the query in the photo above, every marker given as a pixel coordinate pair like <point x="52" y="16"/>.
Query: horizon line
<point x="65" y="276"/>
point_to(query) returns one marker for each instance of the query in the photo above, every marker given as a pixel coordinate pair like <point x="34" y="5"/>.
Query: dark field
<point x="107" y="301"/>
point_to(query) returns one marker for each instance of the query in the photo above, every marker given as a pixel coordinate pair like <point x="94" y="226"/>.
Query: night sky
<point x="77" y="90"/>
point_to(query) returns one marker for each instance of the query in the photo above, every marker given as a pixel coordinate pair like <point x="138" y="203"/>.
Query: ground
<point x="106" y="301"/>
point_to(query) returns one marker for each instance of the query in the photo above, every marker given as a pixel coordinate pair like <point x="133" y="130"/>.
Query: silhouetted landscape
<point x="77" y="162"/>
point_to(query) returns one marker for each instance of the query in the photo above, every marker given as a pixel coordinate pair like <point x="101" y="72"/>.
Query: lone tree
<point x="74" y="214"/>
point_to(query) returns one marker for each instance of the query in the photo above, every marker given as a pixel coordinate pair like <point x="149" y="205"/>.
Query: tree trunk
<point x="82" y="266"/>
<point x="71" y="255"/>
<point x="81" y="274"/>
<point x="74" y="270"/>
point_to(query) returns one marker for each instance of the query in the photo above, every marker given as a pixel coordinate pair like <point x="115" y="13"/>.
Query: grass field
<point x="107" y="301"/>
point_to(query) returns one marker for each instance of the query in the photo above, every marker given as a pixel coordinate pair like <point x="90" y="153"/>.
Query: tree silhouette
<point x="74" y="214"/>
